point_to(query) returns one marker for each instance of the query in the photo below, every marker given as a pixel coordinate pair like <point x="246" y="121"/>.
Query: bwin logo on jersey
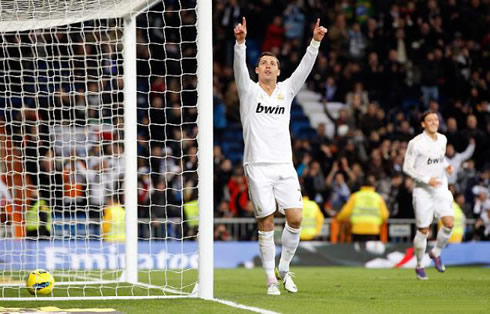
<point x="435" y="160"/>
<point x="270" y="109"/>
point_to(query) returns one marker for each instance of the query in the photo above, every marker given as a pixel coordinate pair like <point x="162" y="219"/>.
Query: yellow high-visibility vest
<point x="312" y="223"/>
<point x="366" y="208"/>
<point x="191" y="211"/>
<point x="366" y="211"/>
<point x="32" y="216"/>
<point x="114" y="227"/>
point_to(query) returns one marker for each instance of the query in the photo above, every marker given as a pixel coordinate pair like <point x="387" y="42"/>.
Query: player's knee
<point x="448" y="222"/>
<point x="295" y="224"/>
<point x="449" y="225"/>
<point x="266" y="223"/>
<point x="294" y="221"/>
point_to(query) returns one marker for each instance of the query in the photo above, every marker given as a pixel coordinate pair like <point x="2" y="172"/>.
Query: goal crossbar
<point x="31" y="15"/>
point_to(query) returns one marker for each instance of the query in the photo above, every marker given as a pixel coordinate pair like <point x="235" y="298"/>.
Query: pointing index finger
<point x="244" y="22"/>
<point x="317" y="22"/>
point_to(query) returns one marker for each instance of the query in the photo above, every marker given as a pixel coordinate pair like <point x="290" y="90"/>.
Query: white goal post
<point x="106" y="166"/>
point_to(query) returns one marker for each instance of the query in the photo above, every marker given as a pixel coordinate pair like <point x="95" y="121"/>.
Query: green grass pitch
<point x="323" y="290"/>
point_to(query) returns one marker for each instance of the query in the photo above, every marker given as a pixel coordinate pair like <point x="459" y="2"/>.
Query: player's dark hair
<point x="269" y="54"/>
<point x="425" y="114"/>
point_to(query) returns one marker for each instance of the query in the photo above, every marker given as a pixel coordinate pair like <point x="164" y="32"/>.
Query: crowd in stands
<point x="62" y="121"/>
<point x="385" y="61"/>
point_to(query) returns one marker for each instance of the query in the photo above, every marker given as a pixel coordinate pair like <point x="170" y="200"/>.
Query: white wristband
<point x="315" y="44"/>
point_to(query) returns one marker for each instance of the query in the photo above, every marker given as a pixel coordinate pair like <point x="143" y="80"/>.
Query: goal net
<point x="102" y="166"/>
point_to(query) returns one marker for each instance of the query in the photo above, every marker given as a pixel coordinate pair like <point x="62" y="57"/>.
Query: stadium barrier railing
<point x="238" y="229"/>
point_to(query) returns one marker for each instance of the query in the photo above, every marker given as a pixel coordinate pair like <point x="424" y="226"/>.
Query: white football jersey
<point x="265" y="119"/>
<point x="425" y="158"/>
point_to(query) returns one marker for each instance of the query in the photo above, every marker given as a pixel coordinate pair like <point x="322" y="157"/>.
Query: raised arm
<point x="299" y="76"/>
<point x="468" y="152"/>
<point x="240" y="70"/>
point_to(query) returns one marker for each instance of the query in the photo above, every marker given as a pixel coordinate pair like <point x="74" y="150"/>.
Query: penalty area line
<point x="244" y="307"/>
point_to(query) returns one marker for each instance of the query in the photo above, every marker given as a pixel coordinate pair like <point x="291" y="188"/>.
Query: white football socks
<point x="290" y="242"/>
<point x="420" y="244"/>
<point x="267" y="252"/>
<point x="442" y="238"/>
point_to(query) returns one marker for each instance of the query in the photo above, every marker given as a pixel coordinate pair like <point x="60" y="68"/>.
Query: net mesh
<point x="62" y="146"/>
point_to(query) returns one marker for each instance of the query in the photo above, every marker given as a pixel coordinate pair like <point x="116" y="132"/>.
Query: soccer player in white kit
<point x="265" y="113"/>
<point x="425" y="162"/>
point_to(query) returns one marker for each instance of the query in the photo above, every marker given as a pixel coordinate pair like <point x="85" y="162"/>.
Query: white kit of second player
<point x="425" y="158"/>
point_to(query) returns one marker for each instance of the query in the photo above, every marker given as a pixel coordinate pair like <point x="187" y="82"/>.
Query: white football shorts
<point x="431" y="204"/>
<point x="270" y="184"/>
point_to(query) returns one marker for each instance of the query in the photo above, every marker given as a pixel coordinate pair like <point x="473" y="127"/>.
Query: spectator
<point x="482" y="200"/>
<point x="404" y="199"/>
<point x="374" y="36"/>
<point x="357" y="100"/>
<point x="374" y="76"/>
<point x="219" y="117"/>
<point x="456" y="159"/>
<point x="231" y="16"/>
<point x="338" y="35"/>
<point x="38" y="217"/>
<point x="145" y="189"/>
<point x="453" y="135"/>
<point x="6" y="202"/>
<point x="401" y="46"/>
<point x="114" y="225"/>
<point x="294" y="22"/>
<point x="314" y="182"/>
<point x="74" y="184"/>
<point x="5" y="197"/>
<point x="274" y="35"/>
<point x="313" y="218"/>
<point x="357" y="42"/>
<point x="369" y="122"/>
<point x="405" y="132"/>
<point x="431" y="73"/>
<point x="222" y="175"/>
<point x="99" y="182"/>
<point x="472" y="131"/>
<point x="162" y="212"/>
<point x="331" y="89"/>
<point x="238" y="189"/>
<point x="482" y="224"/>
<point x="221" y="233"/>
<point x="339" y="191"/>
<point x="191" y="211"/>
<point x="393" y="194"/>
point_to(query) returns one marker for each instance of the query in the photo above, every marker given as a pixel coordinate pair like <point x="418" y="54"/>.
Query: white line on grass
<point x="245" y="307"/>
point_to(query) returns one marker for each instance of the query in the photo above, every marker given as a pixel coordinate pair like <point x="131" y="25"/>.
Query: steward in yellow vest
<point x="366" y="211"/>
<point x="459" y="224"/>
<point x="191" y="212"/>
<point x="114" y="225"/>
<point x="38" y="219"/>
<point x="312" y="223"/>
